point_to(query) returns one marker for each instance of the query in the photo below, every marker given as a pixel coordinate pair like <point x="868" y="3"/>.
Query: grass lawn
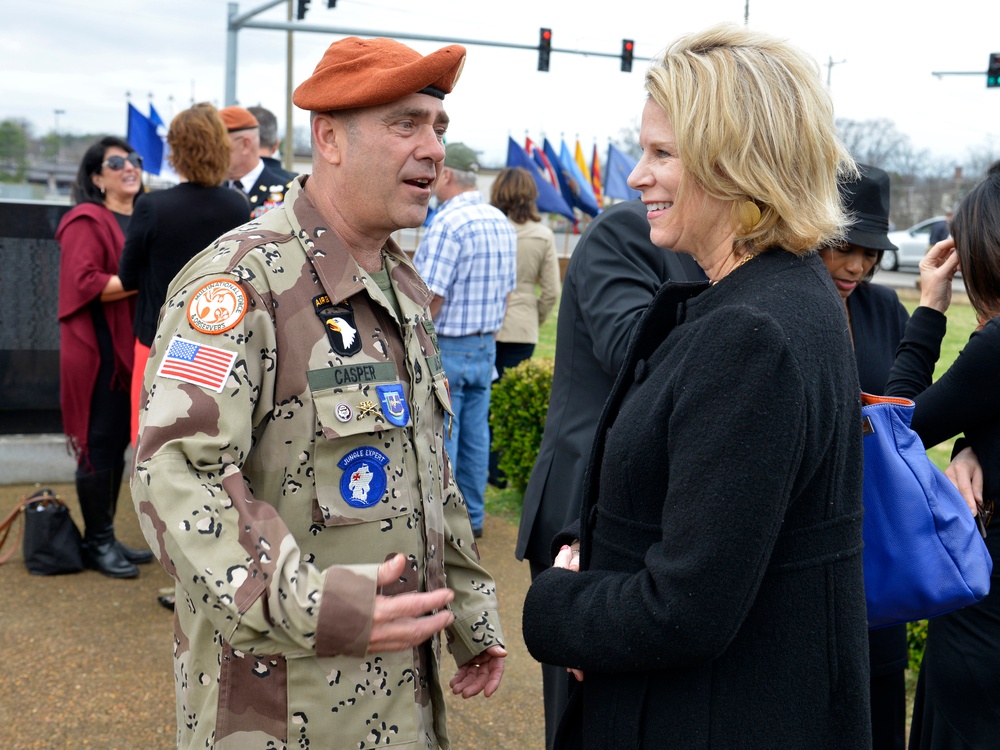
<point x="961" y="324"/>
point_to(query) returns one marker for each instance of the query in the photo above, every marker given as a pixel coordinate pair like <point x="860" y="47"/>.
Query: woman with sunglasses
<point x="956" y="704"/>
<point x="95" y="357"/>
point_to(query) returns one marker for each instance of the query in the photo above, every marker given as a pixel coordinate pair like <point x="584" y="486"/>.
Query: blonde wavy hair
<point x="752" y="121"/>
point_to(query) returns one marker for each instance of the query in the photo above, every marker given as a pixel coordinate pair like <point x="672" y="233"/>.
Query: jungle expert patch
<point x="190" y="362"/>
<point x="364" y="479"/>
<point x="217" y="306"/>
<point x="394" y="406"/>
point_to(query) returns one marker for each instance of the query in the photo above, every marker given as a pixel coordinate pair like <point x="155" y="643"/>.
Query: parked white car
<point x="913" y="244"/>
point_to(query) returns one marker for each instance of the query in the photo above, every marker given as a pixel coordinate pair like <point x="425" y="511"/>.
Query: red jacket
<point x="91" y="242"/>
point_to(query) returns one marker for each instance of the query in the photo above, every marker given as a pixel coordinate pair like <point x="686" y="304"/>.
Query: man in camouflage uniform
<point x="290" y="471"/>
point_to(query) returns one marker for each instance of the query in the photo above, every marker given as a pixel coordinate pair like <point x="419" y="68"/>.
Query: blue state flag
<point x="166" y="171"/>
<point x="154" y="117"/>
<point x="145" y="140"/>
<point x="548" y="201"/>
<point x="561" y="176"/>
<point x="616" y="171"/>
<point x="582" y="190"/>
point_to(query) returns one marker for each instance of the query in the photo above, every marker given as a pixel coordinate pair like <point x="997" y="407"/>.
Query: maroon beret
<point x="367" y="72"/>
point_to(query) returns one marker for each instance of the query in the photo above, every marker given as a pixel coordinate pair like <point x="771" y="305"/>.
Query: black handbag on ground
<point x="52" y="542"/>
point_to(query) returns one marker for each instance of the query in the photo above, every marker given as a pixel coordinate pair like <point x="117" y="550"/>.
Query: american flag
<point x="198" y="364"/>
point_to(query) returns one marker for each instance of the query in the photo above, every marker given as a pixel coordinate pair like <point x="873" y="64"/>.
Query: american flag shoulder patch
<point x="198" y="364"/>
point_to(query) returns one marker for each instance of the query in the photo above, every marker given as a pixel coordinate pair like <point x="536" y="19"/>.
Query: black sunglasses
<point x="117" y="163"/>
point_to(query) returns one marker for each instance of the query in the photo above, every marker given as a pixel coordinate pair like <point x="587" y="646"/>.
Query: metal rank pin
<point x="366" y="408"/>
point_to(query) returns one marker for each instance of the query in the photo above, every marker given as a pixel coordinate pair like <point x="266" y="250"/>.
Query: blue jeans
<point x="468" y="363"/>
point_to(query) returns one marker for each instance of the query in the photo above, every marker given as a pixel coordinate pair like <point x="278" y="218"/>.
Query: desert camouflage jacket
<point x="291" y="440"/>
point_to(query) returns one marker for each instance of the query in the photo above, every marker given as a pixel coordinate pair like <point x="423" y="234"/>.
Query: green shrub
<point x="518" y="405"/>
<point x="916" y="639"/>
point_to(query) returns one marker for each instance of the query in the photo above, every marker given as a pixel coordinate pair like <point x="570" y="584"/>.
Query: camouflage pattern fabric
<point x="273" y="500"/>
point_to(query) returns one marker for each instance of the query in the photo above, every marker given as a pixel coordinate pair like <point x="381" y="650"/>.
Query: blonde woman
<point x="712" y="592"/>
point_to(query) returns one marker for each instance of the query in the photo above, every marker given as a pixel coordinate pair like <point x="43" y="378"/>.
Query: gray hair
<point x="268" y="126"/>
<point x="464" y="179"/>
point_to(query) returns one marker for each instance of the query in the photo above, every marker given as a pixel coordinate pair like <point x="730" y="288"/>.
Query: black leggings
<point x="108" y="430"/>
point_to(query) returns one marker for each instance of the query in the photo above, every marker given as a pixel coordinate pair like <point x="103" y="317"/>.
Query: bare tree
<point x="981" y="157"/>
<point x="875" y="142"/>
<point x="628" y="140"/>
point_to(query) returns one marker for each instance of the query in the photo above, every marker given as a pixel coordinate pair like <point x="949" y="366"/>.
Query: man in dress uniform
<point x="290" y="471"/>
<point x="263" y="187"/>
<point x="269" y="141"/>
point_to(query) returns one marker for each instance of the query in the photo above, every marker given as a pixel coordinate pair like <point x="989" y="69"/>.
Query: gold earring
<point x="749" y="215"/>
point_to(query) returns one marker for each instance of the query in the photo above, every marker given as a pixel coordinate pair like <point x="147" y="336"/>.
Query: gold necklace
<point x="746" y="259"/>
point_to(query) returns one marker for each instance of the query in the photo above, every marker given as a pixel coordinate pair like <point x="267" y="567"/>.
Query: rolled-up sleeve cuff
<point x="346" y="610"/>
<point x="474" y="633"/>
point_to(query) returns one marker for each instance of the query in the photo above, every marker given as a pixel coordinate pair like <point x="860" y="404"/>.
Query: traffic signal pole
<point x="237" y="21"/>
<point x="992" y="72"/>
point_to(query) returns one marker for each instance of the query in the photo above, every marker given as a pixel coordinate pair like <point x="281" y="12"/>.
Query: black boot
<point x="97" y="493"/>
<point x="135" y="556"/>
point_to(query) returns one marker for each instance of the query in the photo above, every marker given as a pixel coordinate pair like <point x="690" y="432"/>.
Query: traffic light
<point x="628" y="47"/>
<point x="993" y="71"/>
<point x="544" y="48"/>
<point x="303" y="7"/>
<point x="331" y="3"/>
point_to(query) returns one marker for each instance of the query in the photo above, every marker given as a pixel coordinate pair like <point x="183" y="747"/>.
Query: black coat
<point x="612" y="275"/>
<point x="275" y="166"/>
<point x="168" y="228"/>
<point x="267" y="192"/>
<point x="721" y="599"/>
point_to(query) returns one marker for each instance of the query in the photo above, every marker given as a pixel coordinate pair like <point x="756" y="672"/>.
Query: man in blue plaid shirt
<point x="468" y="257"/>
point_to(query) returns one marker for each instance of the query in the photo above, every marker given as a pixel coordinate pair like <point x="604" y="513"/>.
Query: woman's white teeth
<point x="658" y="206"/>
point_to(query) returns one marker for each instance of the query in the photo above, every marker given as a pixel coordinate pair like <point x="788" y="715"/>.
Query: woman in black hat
<point x="877" y="322"/>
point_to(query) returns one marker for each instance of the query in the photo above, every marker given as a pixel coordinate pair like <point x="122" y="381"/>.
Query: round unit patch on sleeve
<point x="217" y="306"/>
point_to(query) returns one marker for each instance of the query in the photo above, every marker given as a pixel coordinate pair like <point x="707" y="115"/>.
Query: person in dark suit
<point x="269" y="141"/>
<point x="612" y="275"/>
<point x="263" y="187"/>
<point x="941" y="230"/>
<point x="711" y="592"/>
<point x="877" y="321"/>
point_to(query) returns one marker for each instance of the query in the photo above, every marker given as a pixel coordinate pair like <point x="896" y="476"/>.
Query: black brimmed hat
<point x="867" y="201"/>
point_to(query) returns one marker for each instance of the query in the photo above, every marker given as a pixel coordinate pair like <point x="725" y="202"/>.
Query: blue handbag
<point x="924" y="554"/>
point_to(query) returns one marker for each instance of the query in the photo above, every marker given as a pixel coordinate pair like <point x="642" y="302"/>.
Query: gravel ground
<point x="89" y="660"/>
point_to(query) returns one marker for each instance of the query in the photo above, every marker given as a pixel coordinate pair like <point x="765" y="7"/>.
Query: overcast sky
<point x="82" y="56"/>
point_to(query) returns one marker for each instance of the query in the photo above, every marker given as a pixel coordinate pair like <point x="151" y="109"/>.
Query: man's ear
<point x="329" y="136"/>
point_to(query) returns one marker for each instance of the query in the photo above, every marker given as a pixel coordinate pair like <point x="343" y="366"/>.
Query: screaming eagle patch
<point x="338" y="320"/>
<point x="364" y="479"/>
<point x="217" y="306"/>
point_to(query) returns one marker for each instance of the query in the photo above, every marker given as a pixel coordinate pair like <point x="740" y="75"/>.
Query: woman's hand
<point x="966" y="473"/>
<point x="937" y="270"/>
<point x="568" y="557"/>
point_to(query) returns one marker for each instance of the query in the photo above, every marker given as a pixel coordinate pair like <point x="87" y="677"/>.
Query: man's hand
<point x="406" y="620"/>
<point x="480" y="674"/>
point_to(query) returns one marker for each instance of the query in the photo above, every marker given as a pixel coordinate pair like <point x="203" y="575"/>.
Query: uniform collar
<point x="339" y="273"/>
